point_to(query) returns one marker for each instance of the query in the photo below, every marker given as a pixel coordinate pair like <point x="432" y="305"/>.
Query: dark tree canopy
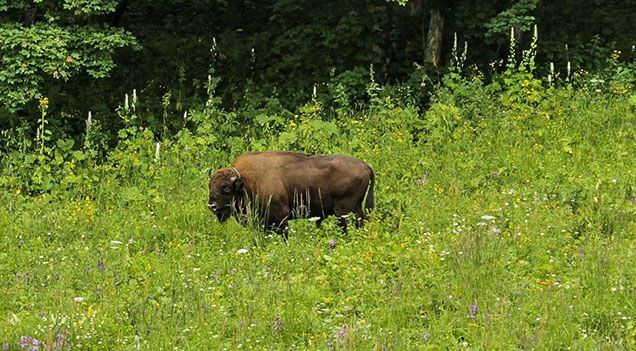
<point x="84" y="55"/>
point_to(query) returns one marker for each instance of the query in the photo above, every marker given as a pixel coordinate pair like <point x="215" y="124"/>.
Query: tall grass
<point x="504" y="220"/>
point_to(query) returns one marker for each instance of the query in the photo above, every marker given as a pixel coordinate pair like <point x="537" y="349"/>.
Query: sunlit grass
<point x="509" y="229"/>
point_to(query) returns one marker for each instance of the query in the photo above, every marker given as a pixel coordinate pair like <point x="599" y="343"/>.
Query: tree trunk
<point x="433" y="49"/>
<point x="119" y="13"/>
<point x="28" y="16"/>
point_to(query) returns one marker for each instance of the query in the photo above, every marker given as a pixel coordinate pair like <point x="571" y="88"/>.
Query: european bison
<point x="278" y="186"/>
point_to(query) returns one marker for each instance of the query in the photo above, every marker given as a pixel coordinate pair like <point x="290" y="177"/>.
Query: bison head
<point x="226" y="187"/>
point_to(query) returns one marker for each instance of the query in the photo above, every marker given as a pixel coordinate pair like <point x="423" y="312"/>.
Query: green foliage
<point x="520" y="86"/>
<point x="496" y="226"/>
<point x="308" y="132"/>
<point x="517" y="17"/>
<point x="58" y="49"/>
<point x="504" y="219"/>
<point x="264" y="53"/>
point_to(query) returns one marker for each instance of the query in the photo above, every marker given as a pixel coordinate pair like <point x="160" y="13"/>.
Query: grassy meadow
<point x="505" y="219"/>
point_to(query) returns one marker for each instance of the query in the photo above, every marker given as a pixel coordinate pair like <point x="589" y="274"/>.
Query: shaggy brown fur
<point x="279" y="186"/>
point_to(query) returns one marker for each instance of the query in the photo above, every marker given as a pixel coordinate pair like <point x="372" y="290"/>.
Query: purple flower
<point x="5" y="346"/>
<point x="60" y="339"/>
<point x="344" y="331"/>
<point x="582" y="251"/>
<point x="473" y="311"/>
<point x="278" y="324"/>
<point x="332" y="244"/>
<point x="29" y="343"/>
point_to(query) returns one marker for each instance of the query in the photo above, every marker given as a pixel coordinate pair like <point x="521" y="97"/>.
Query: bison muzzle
<point x="276" y="186"/>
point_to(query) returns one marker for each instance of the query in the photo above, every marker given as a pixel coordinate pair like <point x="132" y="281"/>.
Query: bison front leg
<point x="277" y="220"/>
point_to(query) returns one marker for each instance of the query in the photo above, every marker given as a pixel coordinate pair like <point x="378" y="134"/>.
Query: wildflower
<point x="422" y="180"/>
<point x="44" y="103"/>
<point x="28" y="341"/>
<point x="495" y="174"/>
<point x="494" y="230"/>
<point x="241" y="251"/>
<point x="344" y="331"/>
<point x="61" y="339"/>
<point x="488" y="217"/>
<point x="332" y="244"/>
<point x="278" y="324"/>
<point x="69" y="59"/>
<point x="426" y="336"/>
<point x="78" y="299"/>
<point x="473" y="311"/>
<point x="5" y="347"/>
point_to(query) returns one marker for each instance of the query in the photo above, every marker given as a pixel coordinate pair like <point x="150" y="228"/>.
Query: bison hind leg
<point x="360" y="217"/>
<point x="342" y="211"/>
<point x="342" y="223"/>
<point x="278" y="226"/>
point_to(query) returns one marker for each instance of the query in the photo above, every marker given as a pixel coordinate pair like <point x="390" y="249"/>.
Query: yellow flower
<point x="44" y="102"/>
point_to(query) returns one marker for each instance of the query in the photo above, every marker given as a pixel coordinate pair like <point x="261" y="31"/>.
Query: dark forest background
<point x="84" y="55"/>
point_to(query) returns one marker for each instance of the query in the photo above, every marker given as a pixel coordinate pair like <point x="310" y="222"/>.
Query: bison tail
<point x="370" y="201"/>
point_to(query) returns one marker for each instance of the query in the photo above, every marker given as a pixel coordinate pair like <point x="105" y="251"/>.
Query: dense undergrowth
<point x="504" y="219"/>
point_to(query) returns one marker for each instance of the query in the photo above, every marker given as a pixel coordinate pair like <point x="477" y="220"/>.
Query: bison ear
<point x="238" y="185"/>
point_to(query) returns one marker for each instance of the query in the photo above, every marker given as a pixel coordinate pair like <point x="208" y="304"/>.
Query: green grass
<point x="137" y="261"/>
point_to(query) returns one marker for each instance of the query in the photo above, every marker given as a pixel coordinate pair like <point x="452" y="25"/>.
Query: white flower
<point x="78" y="299"/>
<point x="115" y="242"/>
<point x="488" y="217"/>
<point x="241" y="251"/>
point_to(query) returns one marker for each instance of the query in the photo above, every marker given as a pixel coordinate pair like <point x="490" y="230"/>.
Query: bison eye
<point x="226" y="189"/>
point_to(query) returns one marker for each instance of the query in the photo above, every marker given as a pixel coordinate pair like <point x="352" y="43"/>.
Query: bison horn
<point x="237" y="172"/>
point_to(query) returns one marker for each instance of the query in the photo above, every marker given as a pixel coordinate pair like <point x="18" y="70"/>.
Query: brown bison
<point x="278" y="186"/>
